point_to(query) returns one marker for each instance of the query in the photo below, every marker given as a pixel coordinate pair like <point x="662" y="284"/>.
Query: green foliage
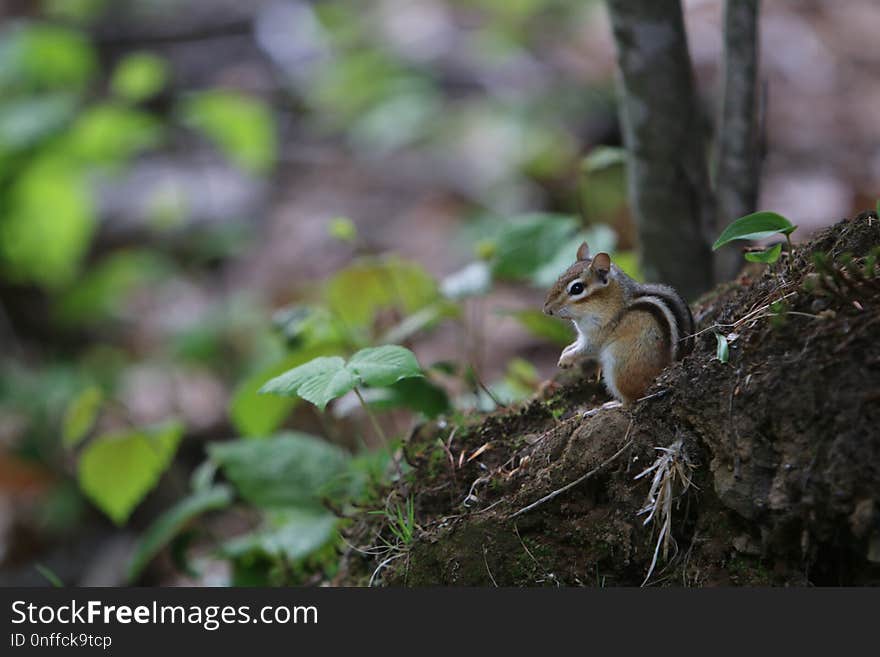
<point x="25" y="121"/>
<point x="50" y="575"/>
<point x="401" y="521"/>
<point x="530" y="243"/>
<point x="254" y="414"/>
<point x="767" y="256"/>
<point x="326" y="378"/>
<point x="318" y="381"/>
<point x="755" y="227"/>
<point x="49" y="224"/>
<point x="290" y="470"/>
<point x="74" y="10"/>
<point x="101" y="293"/>
<point x="291" y="534"/>
<point x="342" y="229"/>
<point x="116" y="470"/>
<point x="473" y="280"/>
<point x="80" y="416"/>
<point x="139" y="76"/>
<point x="109" y="134"/>
<point x="384" y="366"/>
<point x="603" y="157"/>
<point x="542" y="326"/>
<point x="173" y="521"/>
<point x="357" y="293"/>
<point x="242" y="127"/>
<point x="417" y="394"/>
<point x="40" y="56"/>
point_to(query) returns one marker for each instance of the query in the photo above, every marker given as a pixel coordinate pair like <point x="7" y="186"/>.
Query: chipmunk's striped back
<point x="671" y="311"/>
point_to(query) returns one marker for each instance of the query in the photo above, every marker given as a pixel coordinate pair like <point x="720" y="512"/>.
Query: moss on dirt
<point x="783" y="439"/>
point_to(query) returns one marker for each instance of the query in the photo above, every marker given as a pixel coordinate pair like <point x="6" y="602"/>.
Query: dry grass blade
<point x="672" y="470"/>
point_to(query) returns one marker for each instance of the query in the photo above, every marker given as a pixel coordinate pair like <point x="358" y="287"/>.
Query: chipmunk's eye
<point x="576" y="289"/>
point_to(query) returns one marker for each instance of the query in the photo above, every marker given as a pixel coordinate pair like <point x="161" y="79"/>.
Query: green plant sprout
<point x="326" y="378"/>
<point x="757" y="226"/>
<point x="401" y="520"/>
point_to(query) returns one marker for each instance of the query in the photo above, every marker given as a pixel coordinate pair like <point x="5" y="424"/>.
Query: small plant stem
<point x="376" y="427"/>
<point x="790" y="251"/>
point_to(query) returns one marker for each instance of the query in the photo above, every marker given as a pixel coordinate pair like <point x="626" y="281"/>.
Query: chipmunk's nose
<point x="547" y="309"/>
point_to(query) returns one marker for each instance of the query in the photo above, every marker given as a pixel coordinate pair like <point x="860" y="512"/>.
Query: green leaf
<point x="542" y="326"/>
<point x="599" y="237"/>
<point x="80" y="416"/>
<point x="49" y="224"/>
<point x="722" y="350"/>
<point x="23" y="122"/>
<point x="242" y="127"/>
<point x="474" y="280"/>
<point x="291" y="469"/>
<point x="417" y="394"/>
<point x="385" y="365"/>
<point x="50" y="575"/>
<point x="358" y="292"/>
<point x="43" y="56"/>
<point x="308" y="327"/>
<point x="603" y="157"/>
<point x="530" y="242"/>
<point x="342" y="229"/>
<point x="256" y="414"/>
<point x="318" y="381"/>
<point x="172" y="522"/>
<point x="421" y="320"/>
<point x="139" y="76"/>
<point x="628" y="262"/>
<point x="103" y="293"/>
<point x="768" y="255"/>
<point x="116" y="470"/>
<point x="755" y="226"/>
<point x="110" y="134"/>
<point x="291" y="533"/>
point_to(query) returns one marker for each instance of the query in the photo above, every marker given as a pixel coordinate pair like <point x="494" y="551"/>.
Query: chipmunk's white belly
<point x="606" y="360"/>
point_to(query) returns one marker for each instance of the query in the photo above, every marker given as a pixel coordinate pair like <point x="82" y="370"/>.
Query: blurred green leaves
<point x="288" y="470"/>
<point x="39" y="56"/>
<point x="80" y="416"/>
<point x="49" y="225"/>
<point x="173" y="521"/>
<point x="100" y="293"/>
<point x="139" y="76"/>
<point x="242" y="127"/>
<point x="116" y="470"/>
<point x="355" y="294"/>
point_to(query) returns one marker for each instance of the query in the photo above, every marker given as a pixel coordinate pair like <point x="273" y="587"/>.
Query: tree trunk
<point x="738" y="165"/>
<point x="662" y="130"/>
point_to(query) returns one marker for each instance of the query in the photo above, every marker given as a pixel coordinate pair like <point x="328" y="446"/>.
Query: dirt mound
<point x="780" y="444"/>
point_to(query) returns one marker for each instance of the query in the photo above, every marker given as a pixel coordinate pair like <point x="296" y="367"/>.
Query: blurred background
<point x="196" y="195"/>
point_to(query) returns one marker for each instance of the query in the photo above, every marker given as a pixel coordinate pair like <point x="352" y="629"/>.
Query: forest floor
<point x="770" y="468"/>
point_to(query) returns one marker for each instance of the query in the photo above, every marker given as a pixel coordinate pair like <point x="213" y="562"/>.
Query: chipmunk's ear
<point x="601" y="265"/>
<point x="583" y="252"/>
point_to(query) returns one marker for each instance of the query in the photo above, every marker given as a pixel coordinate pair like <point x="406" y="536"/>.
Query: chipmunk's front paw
<point x="566" y="361"/>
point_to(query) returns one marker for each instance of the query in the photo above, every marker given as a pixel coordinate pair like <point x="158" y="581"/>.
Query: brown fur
<point x="634" y="330"/>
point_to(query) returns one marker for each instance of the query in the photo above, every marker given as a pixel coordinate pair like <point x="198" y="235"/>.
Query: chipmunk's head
<point x="580" y="286"/>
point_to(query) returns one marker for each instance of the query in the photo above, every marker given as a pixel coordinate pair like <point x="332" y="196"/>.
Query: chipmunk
<point x="634" y="330"/>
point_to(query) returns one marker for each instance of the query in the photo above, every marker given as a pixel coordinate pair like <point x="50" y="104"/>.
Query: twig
<point x="486" y="561"/>
<point x="577" y="481"/>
